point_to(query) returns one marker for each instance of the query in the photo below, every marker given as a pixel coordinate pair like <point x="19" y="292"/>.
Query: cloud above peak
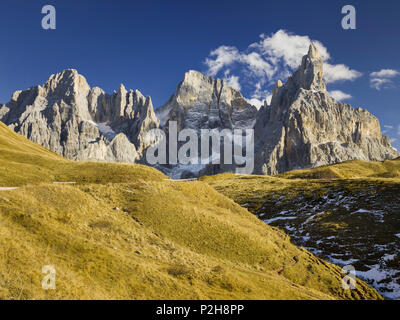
<point x="288" y="47"/>
<point x="383" y="79"/>
<point x="385" y="73"/>
<point x="274" y="57"/>
<point x="221" y="57"/>
<point x="339" y="95"/>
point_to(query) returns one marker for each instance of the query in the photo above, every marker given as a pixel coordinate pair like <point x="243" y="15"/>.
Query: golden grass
<point x="252" y="189"/>
<point x="349" y="170"/>
<point x="122" y="232"/>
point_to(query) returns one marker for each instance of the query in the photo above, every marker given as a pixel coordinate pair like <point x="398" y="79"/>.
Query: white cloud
<point x="232" y="81"/>
<point x="339" y="72"/>
<point x="223" y="56"/>
<point x="387" y="128"/>
<point x="339" y="95"/>
<point x="398" y="130"/>
<point x="257" y="65"/>
<point x="385" y="73"/>
<point x="287" y="46"/>
<point x="382" y="79"/>
<point x="290" y="49"/>
<point x="255" y="102"/>
<point x="273" y="57"/>
<point x="378" y="84"/>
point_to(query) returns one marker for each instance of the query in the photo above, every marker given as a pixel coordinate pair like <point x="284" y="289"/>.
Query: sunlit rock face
<point x="303" y="127"/>
<point x="202" y="102"/>
<point x="65" y="115"/>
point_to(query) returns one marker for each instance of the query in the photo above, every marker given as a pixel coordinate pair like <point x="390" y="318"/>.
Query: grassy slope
<point x="370" y="186"/>
<point x="349" y="170"/>
<point x="123" y="232"/>
<point x="251" y="190"/>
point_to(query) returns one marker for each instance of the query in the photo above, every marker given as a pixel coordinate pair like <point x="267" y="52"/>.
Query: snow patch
<point x="104" y="129"/>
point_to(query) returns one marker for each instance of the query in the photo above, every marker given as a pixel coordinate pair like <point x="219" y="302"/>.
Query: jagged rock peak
<point x="194" y="74"/>
<point x="304" y="127"/>
<point x="67" y="79"/>
<point x="278" y="85"/>
<point x="309" y="76"/>
<point x="197" y="81"/>
<point x="201" y="101"/>
<point x="194" y="77"/>
<point x="82" y="123"/>
<point x="313" y="52"/>
<point x="311" y="71"/>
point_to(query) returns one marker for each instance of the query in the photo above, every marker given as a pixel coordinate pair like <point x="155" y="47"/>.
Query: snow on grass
<point x="268" y="221"/>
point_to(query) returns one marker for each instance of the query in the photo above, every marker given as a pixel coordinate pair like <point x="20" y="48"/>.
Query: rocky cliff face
<point x="82" y="123"/>
<point x="304" y="127"/>
<point x="202" y="102"/>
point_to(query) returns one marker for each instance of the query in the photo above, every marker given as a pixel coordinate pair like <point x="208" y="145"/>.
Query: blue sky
<point x="149" y="45"/>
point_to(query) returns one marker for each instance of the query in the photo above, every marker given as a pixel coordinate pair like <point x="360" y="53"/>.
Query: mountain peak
<point x="304" y="128"/>
<point x="68" y="79"/>
<point x="68" y="117"/>
<point x="195" y="78"/>
<point x="309" y="76"/>
<point x="313" y="51"/>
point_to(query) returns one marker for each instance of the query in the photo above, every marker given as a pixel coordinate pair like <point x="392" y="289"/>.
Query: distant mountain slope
<point x="122" y="232"/>
<point x="347" y="213"/>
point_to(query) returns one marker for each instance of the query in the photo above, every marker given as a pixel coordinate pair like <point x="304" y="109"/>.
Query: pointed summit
<point x="305" y="128"/>
<point x="313" y="51"/>
<point x="309" y="76"/>
<point x="278" y="85"/>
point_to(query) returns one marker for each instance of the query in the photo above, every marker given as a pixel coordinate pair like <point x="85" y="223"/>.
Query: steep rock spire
<point x="310" y="74"/>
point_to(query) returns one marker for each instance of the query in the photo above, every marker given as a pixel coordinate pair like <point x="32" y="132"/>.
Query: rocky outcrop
<point x="304" y="127"/>
<point x="202" y="102"/>
<point x="82" y="123"/>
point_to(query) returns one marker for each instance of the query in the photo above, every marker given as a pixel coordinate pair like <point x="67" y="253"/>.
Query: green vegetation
<point x="122" y="232"/>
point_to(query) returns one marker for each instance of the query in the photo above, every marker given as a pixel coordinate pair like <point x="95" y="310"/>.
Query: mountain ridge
<point x="82" y="123"/>
<point x="302" y="127"/>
